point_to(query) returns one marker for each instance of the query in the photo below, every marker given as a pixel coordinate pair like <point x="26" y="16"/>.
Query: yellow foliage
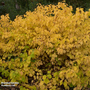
<point x="58" y="36"/>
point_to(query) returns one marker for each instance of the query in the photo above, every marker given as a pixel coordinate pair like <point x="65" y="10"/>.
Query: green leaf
<point x="80" y="73"/>
<point x="71" y="85"/>
<point x="49" y="76"/>
<point x="65" y="83"/>
<point x="26" y="65"/>
<point x="26" y="47"/>
<point x="12" y="75"/>
<point x="23" y="55"/>
<point x="44" y="77"/>
<point x="49" y="64"/>
<point x="88" y="86"/>
<point x="28" y="59"/>
<point x="59" y="62"/>
<point x="21" y="87"/>
<point x="6" y="73"/>
<point x="61" y="82"/>
<point x="32" y="54"/>
<point x="1" y="69"/>
<point x="17" y="74"/>
<point x="56" y="78"/>
<point x="71" y="56"/>
<point x="13" y="80"/>
<point x="55" y="74"/>
<point x="23" y="79"/>
<point x="29" y="65"/>
<point x="21" y="65"/>
<point x="75" y="63"/>
<point x="1" y="78"/>
<point x="33" y="60"/>
<point x="48" y="72"/>
<point x="32" y="49"/>
<point x="79" y="62"/>
<point x="12" y="60"/>
<point x="46" y="81"/>
<point x="3" y="72"/>
<point x="11" y="66"/>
